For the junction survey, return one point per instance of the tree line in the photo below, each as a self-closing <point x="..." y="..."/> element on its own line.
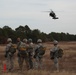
<point x="26" y="32"/>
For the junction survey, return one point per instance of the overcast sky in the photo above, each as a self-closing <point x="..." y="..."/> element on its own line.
<point x="31" y="12"/>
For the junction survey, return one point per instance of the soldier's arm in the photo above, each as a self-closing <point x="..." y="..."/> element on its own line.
<point x="7" y="48"/>
<point x="52" y="50"/>
<point x="18" y="45"/>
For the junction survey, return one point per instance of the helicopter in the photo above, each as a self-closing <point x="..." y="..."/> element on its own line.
<point x="53" y="15"/>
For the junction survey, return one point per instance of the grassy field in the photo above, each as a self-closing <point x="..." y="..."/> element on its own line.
<point x="67" y="64"/>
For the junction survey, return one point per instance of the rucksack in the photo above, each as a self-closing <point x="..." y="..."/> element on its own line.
<point x="13" y="48"/>
<point x="40" y="51"/>
<point x="58" y="53"/>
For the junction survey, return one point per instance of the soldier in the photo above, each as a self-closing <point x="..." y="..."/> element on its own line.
<point x="39" y="52"/>
<point x="9" y="55"/>
<point x="30" y="52"/>
<point x="18" y="48"/>
<point x="54" y="54"/>
<point x="25" y="54"/>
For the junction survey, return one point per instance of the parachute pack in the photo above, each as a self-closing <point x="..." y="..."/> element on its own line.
<point x="40" y="51"/>
<point x="13" y="48"/>
<point x="58" y="53"/>
<point x="23" y="50"/>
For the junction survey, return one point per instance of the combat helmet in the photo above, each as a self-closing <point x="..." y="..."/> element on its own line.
<point x="9" y="40"/>
<point x="30" y="40"/>
<point x="39" y="41"/>
<point x="25" y="40"/>
<point x="55" y="42"/>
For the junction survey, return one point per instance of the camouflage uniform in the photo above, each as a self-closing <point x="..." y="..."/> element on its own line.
<point x="18" y="48"/>
<point x="9" y="56"/>
<point x="38" y="58"/>
<point x="21" y="58"/>
<point x="55" y="51"/>
<point x="30" y="53"/>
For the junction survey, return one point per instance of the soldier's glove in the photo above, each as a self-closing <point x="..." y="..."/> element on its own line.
<point x="5" y="55"/>
<point x="34" y="56"/>
<point x="18" y="54"/>
<point x="10" y="54"/>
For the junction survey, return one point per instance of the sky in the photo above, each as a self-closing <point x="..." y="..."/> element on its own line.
<point x="14" y="13"/>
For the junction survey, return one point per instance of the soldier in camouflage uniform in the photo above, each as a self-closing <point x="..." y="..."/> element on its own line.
<point x="37" y="56"/>
<point x="18" y="48"/>
<point x="30" y="53"/>
<point x="9" y="55"/>
<point x="24" y="55"/>
<point x="55" y="54"/>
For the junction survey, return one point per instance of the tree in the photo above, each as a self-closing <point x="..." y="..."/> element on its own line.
<point x="35" y="35"/>
<point x="26" y="32"/>
<point x="43" y="36"/>
<point x="7" y="33"/>
<point x="20" y="29"/>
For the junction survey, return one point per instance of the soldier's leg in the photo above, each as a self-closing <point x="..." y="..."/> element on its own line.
<point x="19" y="59"/>
<point x="31" y="63"/>
<point x="8" y="62"/>
<point x="56" y="63"/>
<point x="11" y="63"/>
<point x="40" y="63"/>
<point x="27" y="63"/>
<point x="21" y="62"/>
<point x="37" y="63"/>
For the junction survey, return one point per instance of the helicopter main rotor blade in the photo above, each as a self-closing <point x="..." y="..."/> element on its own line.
<point x="45" y="11"/>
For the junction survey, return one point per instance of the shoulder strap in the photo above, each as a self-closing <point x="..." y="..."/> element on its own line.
<point x="18" y="45"/>
<point x="10" y="47"/>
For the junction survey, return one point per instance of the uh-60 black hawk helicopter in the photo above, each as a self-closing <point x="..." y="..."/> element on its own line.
<point x="52" y="14"/>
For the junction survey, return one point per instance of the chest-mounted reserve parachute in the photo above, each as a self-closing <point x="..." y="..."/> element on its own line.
<point x="23" y="50"/>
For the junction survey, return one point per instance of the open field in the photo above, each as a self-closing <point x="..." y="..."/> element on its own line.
<point x="67" y="64"/>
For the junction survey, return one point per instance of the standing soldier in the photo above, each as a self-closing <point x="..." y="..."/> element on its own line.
<point x="18" y="48"/>
<point x="24" y="54"/>
<point x="54" y="54"/>
<point x="30" y="53"/>
<point x="9" y="55"/>
<point x="39" y="51"/>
